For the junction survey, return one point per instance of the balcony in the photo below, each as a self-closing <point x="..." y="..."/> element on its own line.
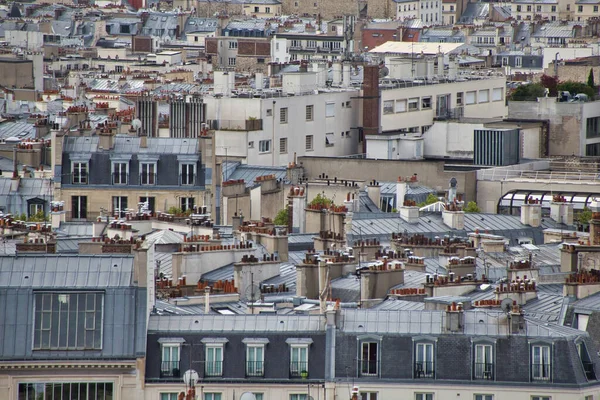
<point x="368" y="367"/>
<point x="424" y="369"/>
<point x="484" y="371"/>
<point x="299" y="369"/>
<point x="148" y="179"/>
<point x="187" y="180"/>
<point x="449" y="114"/>
<point x="255" y="368"/>
<point x="120" y="178"/>
<point x="169" y="369"/>
<point x="213" y="368"/>
<point x="590" y="372"/>
<point x="251" y="124"/>
<point x="540" y="372"/>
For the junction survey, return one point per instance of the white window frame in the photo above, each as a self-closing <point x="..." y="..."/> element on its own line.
<point x="168" y="348"/>
<point x="213" y="396"/>
<point x="329" y="139"/>
<point x="301" y="365"/>
<point x="257" y="369"/>
<point x="329" y="110"/>
<point x="368" y="396"/>
<point x="310" y="112"/>
<point x="538" y="371"/>
<point x="213" y="366"/>
<point x="424" y="396"/>
<point x="189" y="180"/>
<point x="77" y="169"/>
<point x="518" y="61"/>
<point x="368" y="360"/>
<point x="116" y="169"/>
<point x="413" y="101"/>
<point x="541" y="397"/>
<point x="483" y="397"/>
<point x="495" y="92"/>
<point x="264" y="146"/>
<point x="309" y="139"/>
<point x="35" y="208"/>
<point x="484" y="354"/>
<point x="231" y="61"/>
<point x="117" y="205"/>
<point x="470" y="97"/>
<point x="233" y="44"/>
<point x="484" y="96"/>
<point x="147" y="175"/>
<point x="422" y="355"/>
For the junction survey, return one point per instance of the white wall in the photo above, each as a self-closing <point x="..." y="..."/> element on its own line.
<point x="26" y="39"/>
<point x="450" y="138"/>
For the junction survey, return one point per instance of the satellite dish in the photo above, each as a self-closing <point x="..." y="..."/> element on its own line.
<point x="136" y="124"/>
<point x="190" y="377"/>
<point x="506" y="305"/>
<point x="248" y="396"/>
<point x="253" y="293"/>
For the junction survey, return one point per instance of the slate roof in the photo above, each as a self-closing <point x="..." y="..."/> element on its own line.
<point x="131" y="145"/>
<point x="164" y="236"/>
<point x="66" y="271"/>
<point x="195" y="25"/>
<point x="237" y="170"/>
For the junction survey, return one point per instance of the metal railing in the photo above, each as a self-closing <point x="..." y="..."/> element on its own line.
<point x="450" y="113"/>
<point x="148" y="179"/>
<point x="119" y="178"/>
<point x="169" y="369"/>
<point x="80" y="178"/>
<point x="213" y="368"/>
<point x="299" y="369"/>
<point x="368" y="367"/>
<point x="540" y="372"/>
<point x="484" y="371"/>
<point x="424" y="369"/>
<point x="187" y="180"/>
<point x="255" y="368"/>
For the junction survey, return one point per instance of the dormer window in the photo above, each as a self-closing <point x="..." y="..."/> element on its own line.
<point x="541" y="363"/>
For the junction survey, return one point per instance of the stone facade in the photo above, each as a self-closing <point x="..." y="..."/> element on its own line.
<point x="329" y="9"/>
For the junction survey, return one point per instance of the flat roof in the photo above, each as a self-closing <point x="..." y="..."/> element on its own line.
<point x="413" y="47"/>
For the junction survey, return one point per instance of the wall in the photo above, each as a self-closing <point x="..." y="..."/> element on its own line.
<point x="330" y="9"/>
<point x="194" y="265"/>
<point x="16" y="73"/>
<point x="452" y="138"/>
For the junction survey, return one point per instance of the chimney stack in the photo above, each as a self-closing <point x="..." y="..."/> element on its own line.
<point x="595" y="223"/>
<point x="561" y="211"/>
<point x="455" y="317"/>
<point x="207" y="300"/>
<point x="531" y="212"/>
<point x="374" y="192"/>
<point x="516" y="320"/>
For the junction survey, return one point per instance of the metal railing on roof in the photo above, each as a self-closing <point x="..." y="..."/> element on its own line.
<point x="539" y="173"/>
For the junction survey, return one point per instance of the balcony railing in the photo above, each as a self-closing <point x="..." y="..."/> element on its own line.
<point x="424" y="369"/>
<point x="255" y="124"/>
<point x="255" y="368"/>
<point x="213" y="368"/>
<point x="540" y="372"/>
<point x="187" y="180"/>
<point x="590" y="372"/>
<point x="299" y="369"/>
<point x="148" y="179"/>
<point x="80" y="178"/>
<point x="368" y="367"/>
<point x="484" y="371"/>
<point x="169" y="369"/>
<point x="119" y="178"/>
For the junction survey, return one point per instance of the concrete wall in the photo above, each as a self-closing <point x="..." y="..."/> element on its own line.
<point x="16" y="73"/>
<point x="453" y="139"/>
<point x="194" y="265"/>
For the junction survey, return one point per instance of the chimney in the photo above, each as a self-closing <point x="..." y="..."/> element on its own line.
<point x="346" y="75"/>
<point x="323" y="285"/>
<point x="453" y="217"/>
<point x="107" y="140"/>
<point x="430" y="68"/>
<point x="57" y="213"/>
<point x="298" y="209"/>
<point x="440" y="67"/>
<point x="143" y="140"/>
<point x="15" y="164"/>
<point x="516" y="320"/>
<point x="237" y="221"/>
<point x="207" y="300"/>
<point x="374" y="192"/>
<point x="371" y="101"/>
<point x="561" y="211"/>
<point x="531" y="213"/>
<point x="378" y="280"/>
<point x="337" y="74"/>
<point x="452" y="190"/>
<point x="455" y="317"/>
<point x="595" y="223"/>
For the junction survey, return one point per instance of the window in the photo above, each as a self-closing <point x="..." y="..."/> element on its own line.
<point x="309" y="142"/>
<point x="214" y="361"/>
<point x="579" y="8"/>
<point x="518" y="61"/>
<point x="484" y="362"/>
<point x="368" y="395"/>
<point x="348" y="104"/>
<point x="298" y="397"/>
<point x="541" y="398"/>
<point x="329" y="139"/>
<point x="119" y="204"/>
<point x="484" y="96"/>
<point x="79" y="207"/>
<point x="148" y="202"/>
<point x="368" y="361"/>
<point x="423" y="396"/>
<point x="519" y="8"/>
<point x="212" y="396"/>
<point x="595" y="9"/>
<point x="148" y="173"/>
<point x="400" y="106"/>
<point x="586" y="361"/>
<point x="258" y="396"/>
<point x="233" y="45"/>
<point x="119" y="173"/>
<point x="62" y="390"/>
<point x="459" y="98"/>
<point x="187" y="203"/>
<point x="497" y="94"/>
<point x="169" y="365"/>
<point x="426" y="103"/>
<point x="592" y="127"/>
<point x="68" y="321"/>
<point x="118" y="69"/>
<point x="251" y="144"/>
<point x="80" y="174"/>
<point x="330" y="110"/>
<point x="299" y="360"/>
<point x="538" y="8"/>
<point x="169" y="396"/>
<point x="283" y="146"/>
<point x="484" y="397"/>
<point x="255" y="360"/>
<point x="231" y="61"/>
<point x="540" y="363"/>
<point x="264" y="146"/>
<point x="35" y="208"/>
<point x="283" y="115"/>
<point x="309" y="113"/>
<point x="471" y="97"/>
<point x="188" y="172"/>
<point x="553" y="8"/>
<point x="311" y="44"/>
<point x="413" y="104"/>
<point x="267" y="9"/>
<point x="528" y="8"/>
<point x="388" y="107"/>
<point x="269" y="112"/>
<point x="424" y="360"/>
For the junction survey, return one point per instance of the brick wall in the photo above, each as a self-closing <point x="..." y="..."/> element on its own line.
<point x="578" y="73"/>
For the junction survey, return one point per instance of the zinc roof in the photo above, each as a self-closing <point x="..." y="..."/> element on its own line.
<point x="18" y="129"/>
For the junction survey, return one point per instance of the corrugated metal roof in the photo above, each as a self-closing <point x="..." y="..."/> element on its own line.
<point x="164" y="236"/>
<point x="219" y="274"/>
<point x="237" y="323"/>
<point x="66" y="271"/>
<point x="166" y="262"/>
<point x="76" y="229"/>
<point x="399" y="305"/>
<point x="590" y="303"/>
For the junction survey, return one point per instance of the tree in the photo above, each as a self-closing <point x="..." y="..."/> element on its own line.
<point x="529" y="92"/>
<point x="576" y="88"/>
<point x="584" y="216"/>
<point x="321" y="201"/>
<point x="550" y="83"/>
<point x="472" y="207"/>
<point x="38" y="217"/>
<point x="431" y="198"/>
<point x="590" y="81"/>
<point x="282" y="217"/>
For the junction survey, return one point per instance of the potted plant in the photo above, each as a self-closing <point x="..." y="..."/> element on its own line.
<point x="304" y="374"/>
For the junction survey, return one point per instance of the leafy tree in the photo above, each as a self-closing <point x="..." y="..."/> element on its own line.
<point x="550" y="83"/>
<point x="585" y="216"/>
<point x="529" y="92"/>
<point x="431" y="198"/>
<point x="38" y="217"/>
<point x="282" y="217"/>
<point x="175" y="210"/>
<point x="576" y="88"/>
<point x="590" y="81"/>
<point x="472" y="207"/>
<point x="321" y="200"/>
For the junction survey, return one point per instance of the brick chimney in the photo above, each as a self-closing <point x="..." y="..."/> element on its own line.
<point x="453" y="216"/>
<point x="531" y="213"/>
<point x="378" y="279"/>
<point x="409" y="212"/>
<point x="455" y="317"/>
<point x="561" y="211"/>
<point x="371" y="101"/>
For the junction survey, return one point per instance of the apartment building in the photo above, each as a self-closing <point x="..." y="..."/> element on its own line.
<point x="315" y="47"/>
<point x="262" y="8"/>
<point x="586" y="9"/>
<point x="299" y="117"/>
<point x="407" y="9"/>
<point x="239" y="53"/>
<point x="532" y="9"/>
<point x="72" y="327"/>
